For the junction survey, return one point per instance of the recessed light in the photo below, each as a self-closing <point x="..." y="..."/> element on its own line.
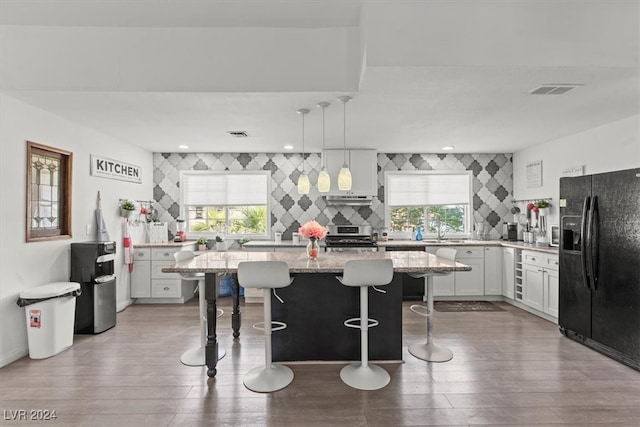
<point x="448" y="148"/>
<point x="183" y="147"/>
<point x="288" y="147"/>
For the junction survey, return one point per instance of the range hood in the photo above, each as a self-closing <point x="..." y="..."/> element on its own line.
<point x="348" y="200"/>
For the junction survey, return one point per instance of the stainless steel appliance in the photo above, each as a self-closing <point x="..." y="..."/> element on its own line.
<point x="599" y="300"/>
<point x="92" y="265"/>
<point x="349" y="238"/>
<point x="555" y="236"/>
<point x="512" y="231"/>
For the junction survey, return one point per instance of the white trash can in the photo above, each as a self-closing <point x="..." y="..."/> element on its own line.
<point x="50" y="313"/>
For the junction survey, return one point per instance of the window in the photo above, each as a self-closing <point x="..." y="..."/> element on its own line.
<point x="228" y="203"/>
<point x="48" y="193"/>
<point x="439" y="202"/>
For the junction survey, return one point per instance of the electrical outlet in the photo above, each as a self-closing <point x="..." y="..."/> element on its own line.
<point x="89" y="230"/>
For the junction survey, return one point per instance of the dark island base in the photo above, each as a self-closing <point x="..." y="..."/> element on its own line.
<point x="315" y="308"/>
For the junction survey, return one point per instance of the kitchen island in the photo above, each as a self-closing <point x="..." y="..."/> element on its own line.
<point x="314" y="277"/>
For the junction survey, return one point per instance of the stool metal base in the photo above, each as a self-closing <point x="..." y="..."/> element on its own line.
<point x="195" y="356"/>
<point x="265" y="380"/>
<point x="430" y="352"/>
<point x="370" y="377"/>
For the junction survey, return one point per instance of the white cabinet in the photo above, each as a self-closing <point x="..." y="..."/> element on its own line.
<point x="508" y="272"/>
<point x="532" y="294"/>
<point x="141" y="274"/>
<point x="492" y="270"/>
<point x="363" y="164"/>
<point x="443" y="286"/>
<point x="150" y="285"/>
<point x="540" y="281"/>
<point x="469" y="283"/>
<point x="462" y="283"/>
<point x="551" y="288"/>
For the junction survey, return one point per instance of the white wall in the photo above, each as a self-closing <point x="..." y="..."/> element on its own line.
<point x="25" y="265"/>
<point x="615" y="146"/>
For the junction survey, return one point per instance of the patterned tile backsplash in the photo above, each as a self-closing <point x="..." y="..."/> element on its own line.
<point x="492" y="185"/>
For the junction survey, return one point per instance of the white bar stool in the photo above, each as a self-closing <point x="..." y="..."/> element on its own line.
<point x="196" y="355"/>
<point x="429" y="351"/>
<point x="268" y="276"/>
<point x="365" y="274"/>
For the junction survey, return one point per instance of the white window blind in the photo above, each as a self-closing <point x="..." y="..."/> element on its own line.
<point x="426" y="189"/>
<point x="224" y="189"/>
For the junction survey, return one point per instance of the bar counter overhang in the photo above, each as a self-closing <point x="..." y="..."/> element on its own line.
<point x="316" y="304"/>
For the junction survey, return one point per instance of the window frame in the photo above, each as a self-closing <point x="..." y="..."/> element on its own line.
<point x="184" y="211"/>
<point x="66" y="171"/>
<point x="407" y="234"/>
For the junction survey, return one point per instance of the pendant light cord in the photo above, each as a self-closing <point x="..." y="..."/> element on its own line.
<point x="344" y="132"/>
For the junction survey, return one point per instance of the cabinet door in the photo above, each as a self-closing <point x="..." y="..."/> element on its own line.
<point x="533" y="294"/>
<point x="508" y="272"/>
<point x="364" y="171"/>
<point x="470" y="282"/>
<point x="551" y="292"/>
<point x="444" y="285"/>
<point x="492" y="270"/>
<point x="363" y="167"/>
<point x="141" y="279"/>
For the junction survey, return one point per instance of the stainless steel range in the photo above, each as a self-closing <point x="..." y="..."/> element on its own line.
<point x="349" y="238"/>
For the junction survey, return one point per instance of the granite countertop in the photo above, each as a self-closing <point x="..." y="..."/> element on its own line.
<point x="327" y="262"/>
<point x="165" y="244"/>
<point x="468" y="242"/>
<point x="283" y="244"/>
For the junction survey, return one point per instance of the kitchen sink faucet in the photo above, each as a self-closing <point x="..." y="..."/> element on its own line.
<point x="438" y="226"/>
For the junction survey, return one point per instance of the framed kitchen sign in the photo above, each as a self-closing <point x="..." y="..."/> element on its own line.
<point x="48" y="193"/>
<point x="115" y="169"/>
<point x="534" y="174"/>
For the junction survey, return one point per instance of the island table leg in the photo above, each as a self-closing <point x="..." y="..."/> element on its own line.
<point x="211" y="348"/>
<point x="236" y="319"/>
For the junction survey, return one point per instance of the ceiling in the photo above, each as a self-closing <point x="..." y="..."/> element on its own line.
<point x="422" y="74"/>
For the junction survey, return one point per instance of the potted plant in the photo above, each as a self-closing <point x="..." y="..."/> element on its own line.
<point x="221" y="245"/>
<point x="126" y="208"/>
<point x="202" y="244"/>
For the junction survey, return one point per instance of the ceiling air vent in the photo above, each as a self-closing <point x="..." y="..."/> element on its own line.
<point x="238" y="133"/>
<point x="554" y="89"/>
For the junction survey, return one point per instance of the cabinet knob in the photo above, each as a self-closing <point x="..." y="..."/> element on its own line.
<point x="469" y="252"/>
<point x="166" y="288"/>
<point x="533" y="259"/>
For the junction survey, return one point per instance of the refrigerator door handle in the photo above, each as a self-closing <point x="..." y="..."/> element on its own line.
<point x="584" y="244"/>
<point x="593" y="242"/>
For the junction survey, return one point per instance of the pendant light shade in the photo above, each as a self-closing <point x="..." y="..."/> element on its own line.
<point x="344" y="177"/>
<point x="324" y="179"/>
<point x="303" y="180"/>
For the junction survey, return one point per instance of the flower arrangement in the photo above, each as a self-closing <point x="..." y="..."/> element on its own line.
<point x="312" y="230"/>
<point x="539" y="204"/>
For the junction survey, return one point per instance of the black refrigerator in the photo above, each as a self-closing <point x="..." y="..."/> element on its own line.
<point x="599" y="302"/>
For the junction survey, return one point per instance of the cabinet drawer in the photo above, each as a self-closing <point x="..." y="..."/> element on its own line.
<point x="538" y="259"/>
<point x="469" y="252"/>
<point x="163" y="254"/>
<point x="551" y="262"/>
<point x="140" y="254"/>
<point x="166" y="289"/>
<point x="156" y="270"/>
<point x="534" y="258"/>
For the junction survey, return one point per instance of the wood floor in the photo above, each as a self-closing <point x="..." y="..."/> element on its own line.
<point x="509" y="368"/>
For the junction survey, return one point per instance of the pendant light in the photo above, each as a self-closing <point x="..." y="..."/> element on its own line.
<point x="344" y="177"/>
<point x="324" y="179"/>
<point x="303" y="180"/>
